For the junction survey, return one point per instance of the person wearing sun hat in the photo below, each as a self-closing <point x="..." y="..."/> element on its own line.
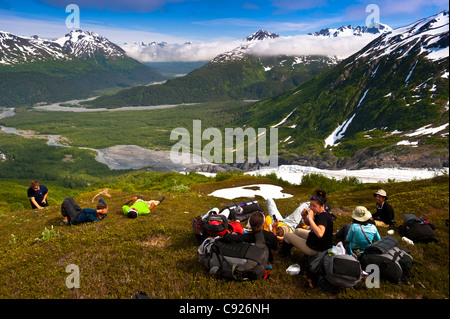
<point x="384" y="216"/>
<point x="361" y="233"/>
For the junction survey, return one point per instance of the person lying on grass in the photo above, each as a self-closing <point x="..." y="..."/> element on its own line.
<point x="139" y="206"/>
<point x="74" y="215"/>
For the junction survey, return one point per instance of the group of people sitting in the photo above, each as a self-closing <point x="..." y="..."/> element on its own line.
<point x="74" y="215"/>
<point x="310" y="227"/>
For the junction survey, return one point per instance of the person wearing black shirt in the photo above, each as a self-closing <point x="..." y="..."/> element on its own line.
<point x="256" y="222"/>
<point x="319" y="235"/>
<point x="37" y="195"/>
<point x="384" y="216"/>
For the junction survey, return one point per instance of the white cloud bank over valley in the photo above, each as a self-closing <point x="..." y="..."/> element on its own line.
<point x="341" y="47"/>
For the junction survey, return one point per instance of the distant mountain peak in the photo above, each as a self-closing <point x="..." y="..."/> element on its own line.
<point x="352" y="31"/>
<point x="426" y="36"/>
<point x="18" y="49"/>
<point x="88" y="44"/>
<point x="261" y="35"/>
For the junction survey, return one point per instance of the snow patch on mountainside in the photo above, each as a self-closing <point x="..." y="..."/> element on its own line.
<point x="430" y="33"/>
<point x="338" y="133"/>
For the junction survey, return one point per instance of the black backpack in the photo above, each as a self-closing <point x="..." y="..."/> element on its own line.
<point x="242" y="210"/>
<point x="418" y="230"/>
<point x="239" y="261"/>
<point x="394" y="261"/>
<point x="215" y="225"/>
<point x="335" y="271"/>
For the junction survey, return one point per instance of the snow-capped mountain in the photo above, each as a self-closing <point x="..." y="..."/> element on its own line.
<point x="429" y="35"/>
<point x="384" y="106"/>
<point x="150" y="44"/>
<point x="16" y="49"/>
<point x="251" y="42"/>
<point x="352" y="31"/>
<point x="85" y="44"/>
<point x="82" y="44"/>
<point x="241" y="52"/>
<point x="72" y="67"/>
<point x="261" y="35"/>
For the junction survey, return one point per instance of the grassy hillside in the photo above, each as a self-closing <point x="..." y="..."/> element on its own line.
<point x="237" y="80"/>
<point x="371" y="93"/>
<point x="62" y="80"/>
<point x="118" y="257"/>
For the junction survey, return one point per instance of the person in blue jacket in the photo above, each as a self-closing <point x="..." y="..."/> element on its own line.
<point x="361" y="233"/>
<point x="74" y="215"/>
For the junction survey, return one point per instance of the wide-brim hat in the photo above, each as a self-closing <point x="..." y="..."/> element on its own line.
<point x="380" y="192"/>
<point x="361" y="214"/>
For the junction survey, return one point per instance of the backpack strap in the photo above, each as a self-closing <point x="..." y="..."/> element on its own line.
<point x="365" y="234"/>
<point x="259" y="239"/>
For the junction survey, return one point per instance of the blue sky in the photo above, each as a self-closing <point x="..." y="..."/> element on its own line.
<point x="201" y="20"/>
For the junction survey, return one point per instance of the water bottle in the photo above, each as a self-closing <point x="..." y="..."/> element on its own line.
<point x="409" y="241"/>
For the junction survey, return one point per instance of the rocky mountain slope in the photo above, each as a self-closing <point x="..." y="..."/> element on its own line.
<point x="385" y="106"/>
<point x="39" y="70"/>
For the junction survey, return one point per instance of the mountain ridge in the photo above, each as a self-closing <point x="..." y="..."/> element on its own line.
<point x="82" y="61"/>
<point x="364" y="113"/>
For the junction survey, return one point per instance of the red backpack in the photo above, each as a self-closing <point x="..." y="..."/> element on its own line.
<point x="215" y="225"/>
<point x="235" y="227"/>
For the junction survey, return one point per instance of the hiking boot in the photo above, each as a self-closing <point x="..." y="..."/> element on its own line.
<point x="326" y="286"/>
<point x="285" y="250"/>
<point x="160" y="199"/>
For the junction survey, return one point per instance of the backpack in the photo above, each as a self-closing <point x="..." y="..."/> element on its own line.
<point x="215" y="225"/>
<point x="242" y="210"/>
<point x="235" y="227"/>
<point x="393" y="260"/>
<point x="417" y="229"/>
<point x="238" y="261"/>
<point x="335" y="271"/>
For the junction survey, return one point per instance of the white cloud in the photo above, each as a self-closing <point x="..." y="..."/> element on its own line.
<point x="196" y="51"/>
<point x="176" y="50"/>
<point x="342" y="47"/>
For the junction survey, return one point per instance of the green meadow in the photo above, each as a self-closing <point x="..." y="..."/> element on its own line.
<point x="157" y="253"/>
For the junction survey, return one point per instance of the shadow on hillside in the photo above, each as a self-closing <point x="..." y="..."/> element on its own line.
<point x="54" y="221"/>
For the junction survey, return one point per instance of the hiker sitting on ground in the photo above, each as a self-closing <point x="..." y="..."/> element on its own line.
<point x="139" y="206"/>
<point x="361" y="233"/>
<point x="384" y="216"/>
<point x="256" y="223"/>
<point x="37" y="195"/>
<point x="74" y="215"/>
<point x="280" y="226"/>
<point x="320" y="233"/>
